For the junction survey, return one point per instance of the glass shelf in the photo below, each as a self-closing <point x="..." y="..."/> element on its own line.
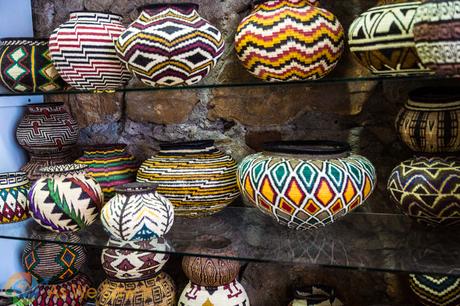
<point x="254" y="83"/>
<point x="364" y="241"/>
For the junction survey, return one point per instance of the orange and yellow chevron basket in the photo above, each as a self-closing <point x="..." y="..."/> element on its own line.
<point x="288" y="40"/>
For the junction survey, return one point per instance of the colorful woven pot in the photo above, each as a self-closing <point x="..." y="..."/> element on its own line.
<point x="432" y="290"/>
<point x="170" y="45"/>
<point x="437" y="36"/>
<point x="429" y="122"/>
<point x="382" y="40"/>
<point x="159" y="291"/>
<point x="70" y="293"/>
<point x="230" y="294"/>
<point x="195" y="176"/>
<point x="427" y="189"/>
<point x="83" y="51"/>
<point x="47" y="128"/>
<point x="49" y="133"/>
<point x="317" y="295"/>
<point x="14" y="187"/>
<point x="25" y="66"/>
<point x="211" y="272"/>
<point x="137" y="212"/>
<point x="306" y="184"/>
<point x="110" y="165"/>
<point x="121" y="263"/>
<point x="286" y="40"/>
<point x="52" y="263"/>
<point x="65" y="198"/>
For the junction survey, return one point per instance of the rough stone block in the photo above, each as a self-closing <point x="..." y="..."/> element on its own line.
<point x="91" y="109"/>
<point x="161" y="107"/>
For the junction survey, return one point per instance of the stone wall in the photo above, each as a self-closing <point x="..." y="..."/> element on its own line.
<point x="241" y="118"/>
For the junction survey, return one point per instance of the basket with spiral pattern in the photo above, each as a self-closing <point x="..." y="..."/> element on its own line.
<point x="83" y="51"/>
<point x="65" y="199"/>
<point x="195" y="176"/>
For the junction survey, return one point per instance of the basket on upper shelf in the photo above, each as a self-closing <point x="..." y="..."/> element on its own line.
<point x="287" y="40"/>
<point x="437" y="36"/>
<point x="83" y="51"/>
<point x="382" y="40"/>
<point x="25" y="66"/>
<point x="170" y="44"/>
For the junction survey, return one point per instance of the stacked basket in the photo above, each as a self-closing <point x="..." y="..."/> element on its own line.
<point x="136" y="218"/>
<point x="426" y="186"/>
<point x="56" y="266"/>
<point x="213" y="281"/>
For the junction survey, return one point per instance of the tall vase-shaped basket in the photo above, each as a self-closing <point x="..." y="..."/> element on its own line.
<point x="212" y="281"/>
<point x="49" y="133"/>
